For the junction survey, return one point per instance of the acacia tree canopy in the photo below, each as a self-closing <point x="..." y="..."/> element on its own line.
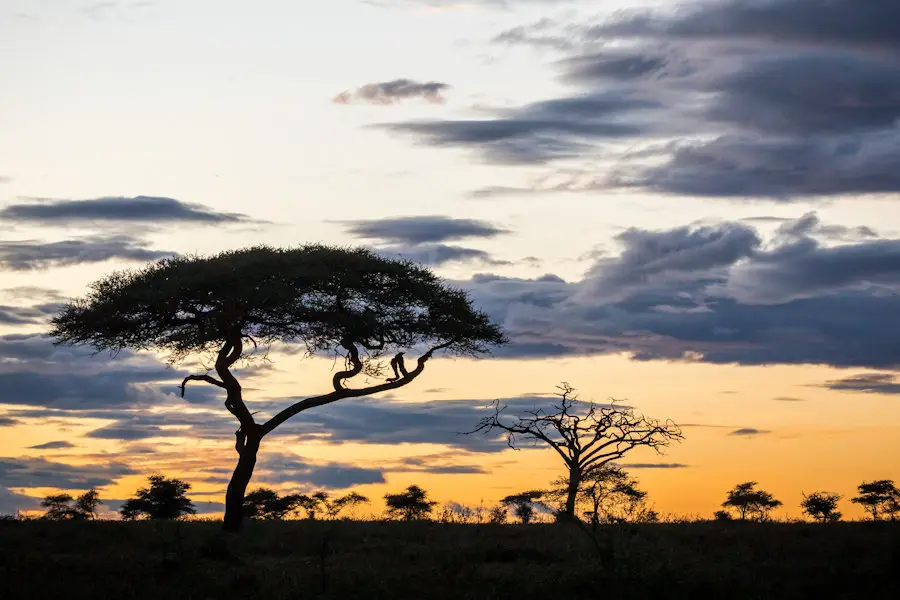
<point x="329" y="299"/>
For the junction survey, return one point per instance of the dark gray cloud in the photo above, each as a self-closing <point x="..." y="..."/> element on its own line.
<point x="9" y="422"/>
<point x="11" y="501"/>
<point x="287" y="468"/>
<point x="34" y="372"/>
<point x="391" y="92"/>
<point x="789" y="399"/>
<point x="28" y="255"/>
<point x="425" y="465"/>
<point x="440" y="254"/>
<point x="749" y="432"/>
<point x="781" y="168"/>
<point x="60" y="445"/>
<point x="776" y="99"/>
<point x="27" y="315"/>
<point x="39" y="472"/>
<point x="117" y="209"/>
<point x="423" y="229"/>
<point x="872" y="383"/>
<point x="874" y="24"/>
<point x="715" y="294"/>
<point x="541" y="132"/>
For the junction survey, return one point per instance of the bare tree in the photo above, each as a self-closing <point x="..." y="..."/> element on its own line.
<point x="584" y="435"/>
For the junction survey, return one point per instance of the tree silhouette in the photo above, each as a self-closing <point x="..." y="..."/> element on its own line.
<point x="523" y="505"/>
<point x="585" y="435"/>
<point x="63" y="507"/>
<point x="410" y="504"/>
<point x="333" y="507"/>
<point x="497" y="515"/>
<point x="267" y="504"/>
<point x="879" y="498"/>
<point x="347" y="301"/>
<point x="821" y="506"/>
<point x="610" y="495"/>
<point x="751" y="503"/>
<point x="164" y="499"/>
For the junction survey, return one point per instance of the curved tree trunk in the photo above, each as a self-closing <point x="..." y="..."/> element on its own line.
<point x="237" y="487"/>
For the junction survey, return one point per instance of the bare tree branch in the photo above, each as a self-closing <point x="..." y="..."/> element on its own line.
<point x="206" y="378"/>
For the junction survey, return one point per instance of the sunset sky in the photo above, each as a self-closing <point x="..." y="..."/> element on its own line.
<point x="690" y="207"/>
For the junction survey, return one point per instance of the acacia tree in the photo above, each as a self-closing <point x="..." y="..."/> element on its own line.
<point x="164" y="499"/>
<point x="331" y="300"/>
<point x="63" y="507"/>
<point x="523" y="504"/>
<point x="584" y="435"/>
<point x="610" y="495"/>
<point x="821" y="506"/>
<point x="267" y="504"/>
<point x="879" y="498"/>
<point x="409" y="505"/>
<point x="750" y="502"/>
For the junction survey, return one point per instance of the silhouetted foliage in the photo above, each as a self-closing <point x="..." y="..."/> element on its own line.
<point x="332" y="300"/>
<point x="410" y="504"/>
<point x="750" y="503"/>
<point x="497" y="515"/>
<point x="722" y="515"/>
<point x="331" y="508"/>
<point x="63" y="507"/>
<point x="267" y="504"/>
<point x="585" y="435"/>
<point x="608" y="495"/>
<point x="164" y="499"/>
<point x="821" y="506"/>
<point x="879" y="498"/>
<point x="523" y="505"/>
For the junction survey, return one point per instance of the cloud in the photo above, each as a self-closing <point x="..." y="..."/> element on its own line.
<point x="872" y="383"/>
<point x="440" y="254"/>
<point x="116" y="209"/>
<point x="27" y="315"/>
<point x="422" y="229"/>
<point x="60" y="445"/>
<point x="42" y="473"/>
<point x="288" y="468"/>
<point x="10" y="501"/>
<point x="712" y="293"/>
<point x="869" y="25"/>
<point x="749" y="432"/>
<point x="779" y="99"/>
<point x="391" y="92"/>
<point x="424" y="465"/>
<point x="9" y="422"/>
<point x="789" y="399"/>
<point x="540" y="132"/>
<point x="32" y="255"/>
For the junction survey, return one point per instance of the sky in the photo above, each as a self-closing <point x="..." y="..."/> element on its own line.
<point x="687" y="207"/>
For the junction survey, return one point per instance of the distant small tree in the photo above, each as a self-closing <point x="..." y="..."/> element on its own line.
<point x="312" y="504"/>
<point x="164" y="499"/>
<point x="267" y="504"/>
<point x="59" y="507"/>
<point x="585" y="435"/>
<point x="497" y="515"/>
<point x="410" y="504"/>
<point x="523" y="505"/>
<point x="879" y="498"/>
<point x="722" y="515"/>
<point x="333" y="507"/>
<point x="63" y="507"/>
<point x="88" y="503"/>
<point x="750" y="503"/>
<point x="821" y="506"/>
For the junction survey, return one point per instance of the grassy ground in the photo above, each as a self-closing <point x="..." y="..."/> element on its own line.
<point x="302" y="559"/>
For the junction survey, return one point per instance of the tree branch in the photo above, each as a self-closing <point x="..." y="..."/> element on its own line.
<point x="206" y="378"/>
<point x="340" y="394"/>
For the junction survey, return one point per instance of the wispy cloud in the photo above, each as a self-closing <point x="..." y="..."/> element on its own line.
<point x="391" y="92"/>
